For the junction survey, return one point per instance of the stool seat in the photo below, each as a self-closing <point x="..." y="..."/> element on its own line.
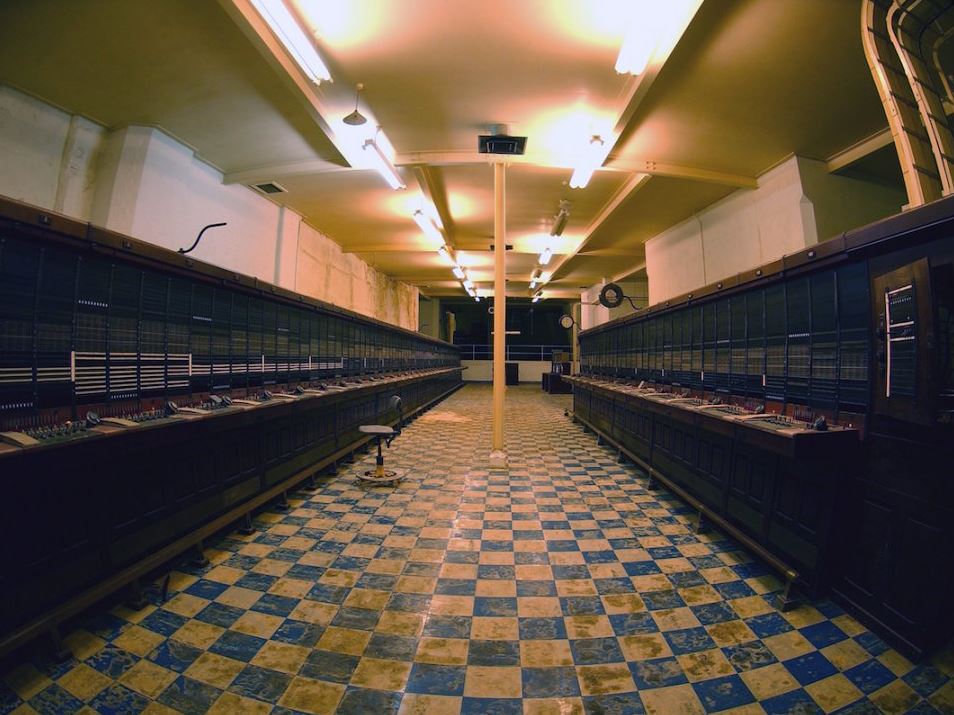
<point x="376" y="429"/>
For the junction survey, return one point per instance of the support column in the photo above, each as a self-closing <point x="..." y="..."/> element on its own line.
<point x="498" y="457"/>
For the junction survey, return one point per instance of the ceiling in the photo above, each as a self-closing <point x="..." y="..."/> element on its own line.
<point x="733" y="88"/>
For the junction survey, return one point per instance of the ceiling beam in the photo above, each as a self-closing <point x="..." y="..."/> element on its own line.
<point x="384" y="248"/>
<point x="628" y="272"/>
<point x="674" y="171"/>
<point x="256" y="29"/>
<point x="635" y="251"/>
<point x="634" y="184"/>
<point x="856" y="152"/>
<point x="269" y="172"/>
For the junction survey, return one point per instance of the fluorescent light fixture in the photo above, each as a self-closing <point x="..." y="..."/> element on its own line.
<point x="590" y="159"/>
<point x="290" y="33"/>
<point x="427" y="225"/>
<point x="537" y="297"/>
<point x="476" y="297"/>
<point x="380" y="163"/>
<point x="533" y="284"/>
<point x="640" y="41"/>
<point x="458" y="273"/>
<point x="442" y="252"/>
<point x="559" y="221"/>
<point x="546" y="256"/>
<point x="468" y="284"/>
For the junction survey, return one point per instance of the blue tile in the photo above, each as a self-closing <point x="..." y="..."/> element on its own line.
<point x="614" y="704"/>
<point x="260" y="683"/>
<point x="491" y="706"/>
<point x="189" y="696"/>
<point x="600" y="557"/>
<point x="542" y="629"/>
<point x="810" y="667"/>
<point x="483" y="652"/>
<point x="241" y="562"/>
<point x="563" y="545"/>
<point x="496" y="572"/>
<point x="866" y="707"/>
<point x="496" y="546"/>
<point x="164" y="622"/>
<point x="723" y="693"/>
<point x="795" y="702"/>
<point x="768" y="624"/>
<point x="536" y="588"/>
<point x="734" y="589"/>
<point x="436" y="679"/>
<point x="664" y="552"/>
<point x="686" y="579"/>
<point x="823" y="634"/>
<point x="659" y="600"/>
<point x="362" y="619"/>
<point x="582" y="606"/>
<point x="112" y="661"/>
<point x="218" y="614"/>
<point x="689" y="640"/>
<point x="326" y="593"/>
<point x="871" y="643"/>
<point x="328" y="666"/>
<point x="494" y="606"/>
<point x="203" y="588"/>
<point x="625" y="624"/>
<point x="286" y="555"/>
<point x="462" y="557"/>
<point x="447" y="626"/>
<point x="591" y="651"/>
<point x="237" y="645"/>
<point x="275" y="605"/>
<point x="377" y="581"/>
<point x="409" y="602"/>
<point x="361" y="701"/>
<point x="563" y="572"/>
<point x="456" y="587"/>
<point x="105" y="625"/>
<point x="298" y="633"/>
<point x="531" y="558"/>
<point x="746" y="656"/>
<point x="925" y="679"/>
<point x="657" y="673"/>
<point x="869" y="676"/>
<point x="54" y="700"/>
<point x="605" y="586"/>
<point x="118" y="700"/>
<point x="718" y="612"/>
<point x="256" y="581"/>
<point x="550" y="683"/>
<point x="420" y="568"/>
<point x="392" y="647"/>
<point x="174" y="655"/>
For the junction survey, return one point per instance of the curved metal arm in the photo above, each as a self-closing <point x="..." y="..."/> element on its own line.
<point x="199" y="237"/>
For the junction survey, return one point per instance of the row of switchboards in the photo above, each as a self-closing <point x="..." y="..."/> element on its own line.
<point x="847" y="347"/>
<point x="147" y="400"/>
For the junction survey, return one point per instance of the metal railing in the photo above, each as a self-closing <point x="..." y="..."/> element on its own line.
<point x="513" y="352"/>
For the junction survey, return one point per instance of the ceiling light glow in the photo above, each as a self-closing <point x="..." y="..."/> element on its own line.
<point x="427" y="225"/>
<point x="640" y="40"/>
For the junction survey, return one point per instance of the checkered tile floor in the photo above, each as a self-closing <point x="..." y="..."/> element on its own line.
<point x="558" y="586"/>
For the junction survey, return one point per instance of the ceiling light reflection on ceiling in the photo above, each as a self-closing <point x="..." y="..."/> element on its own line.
<point x="591" y="157"/>
<point x="298" y="44"/>
<point x="380" y="163"/>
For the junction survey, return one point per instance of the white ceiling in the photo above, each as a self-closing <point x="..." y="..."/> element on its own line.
<point x="734" y="87"/>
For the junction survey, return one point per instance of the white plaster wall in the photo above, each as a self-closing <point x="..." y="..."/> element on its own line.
<point x="482" y="370"/>
<point x="139" y="181"/>
<point x="795" y="205"/>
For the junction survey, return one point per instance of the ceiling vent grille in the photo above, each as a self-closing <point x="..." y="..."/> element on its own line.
<point x="269" y="187"/>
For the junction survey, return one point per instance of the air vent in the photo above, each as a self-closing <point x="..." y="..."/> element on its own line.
<point x="269" y="187"/>
<point x="501" y="144"/>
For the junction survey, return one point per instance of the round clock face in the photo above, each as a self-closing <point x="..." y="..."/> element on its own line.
<point x="566" y="322"/>
<point x="611" y="295"/>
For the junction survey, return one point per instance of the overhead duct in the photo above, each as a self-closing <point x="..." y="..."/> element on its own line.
<point x="894" y="33"/>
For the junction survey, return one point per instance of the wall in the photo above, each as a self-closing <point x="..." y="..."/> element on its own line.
<point x="795" y="205"/>
<point x="139" y="181"/>
<point x="482" y="370"/>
